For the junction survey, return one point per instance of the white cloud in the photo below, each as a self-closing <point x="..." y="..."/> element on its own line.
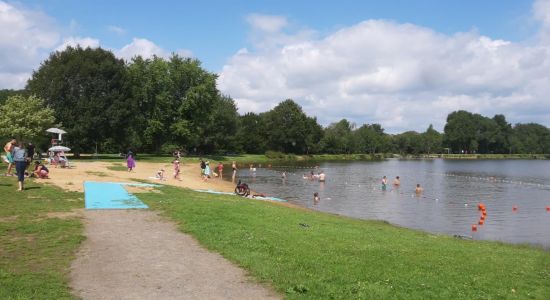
<point x="142" y="47"/>
<point x="78" y="41"/>
<point x="25" y="37"/>
<point x="116" y="29"/>
<point x="267" y="23"/>
<point x="399" y="75"/>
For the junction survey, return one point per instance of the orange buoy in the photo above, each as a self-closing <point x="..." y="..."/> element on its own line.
<point x="481" y="206"/>
<point x="474" y="227"/>
<point x="484" y="213"/>
<point x="548" y="208"/>
<point x="481" y="221"/>
<point x="514" y="208"/>
<point x="482" y="217"/>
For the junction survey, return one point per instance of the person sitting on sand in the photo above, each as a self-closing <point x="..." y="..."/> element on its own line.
<point x="160" y="174"/>
<point x="418" y="189"/>
<point x="40" y="171"/>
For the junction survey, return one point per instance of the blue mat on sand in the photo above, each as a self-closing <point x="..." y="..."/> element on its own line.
<point x="111" y="195"/>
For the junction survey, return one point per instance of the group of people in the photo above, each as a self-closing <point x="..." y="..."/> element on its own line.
<point x="21" y="156"/>
<point x="312" y="176"/>
<point x="397" y="183"/>
<point x="207" y="173"/>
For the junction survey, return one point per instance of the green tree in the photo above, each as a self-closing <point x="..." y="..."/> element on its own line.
<point x="289" y="128"/>
<point x="532" y="138"/>
<point x="25" y="118"/>
<point x="5" y="94"/>
<point x="251" y="135"/>
<point x="501" y="142"/>
<point x="431" y="140"/>
<point x="338" y="137"/>
<point x="85" y="88"/>
<point x="372" y="138"/>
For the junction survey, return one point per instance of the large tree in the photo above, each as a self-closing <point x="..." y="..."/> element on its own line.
<point x="25" y="118"/>
<point x="290" y="129"/>
<point x="85" y="87"/>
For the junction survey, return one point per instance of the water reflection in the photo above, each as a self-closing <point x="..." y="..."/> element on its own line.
<point x="446" y="204"/>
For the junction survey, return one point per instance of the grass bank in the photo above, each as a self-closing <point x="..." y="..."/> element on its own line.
<point x="310" y="255"/>
<point x="37" y="240"/>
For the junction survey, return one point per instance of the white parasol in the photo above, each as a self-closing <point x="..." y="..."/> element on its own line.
<point x="59" y="132"/>
<point x="59" y="149"/>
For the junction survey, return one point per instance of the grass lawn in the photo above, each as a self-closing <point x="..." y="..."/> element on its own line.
<point x="36" y="250"/>
<point x="305" y="254"/>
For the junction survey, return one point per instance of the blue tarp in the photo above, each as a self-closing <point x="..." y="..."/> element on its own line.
<point x="111" y="195"/>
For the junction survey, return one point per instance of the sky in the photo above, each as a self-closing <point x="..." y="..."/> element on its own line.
<point x="403" y="64"/>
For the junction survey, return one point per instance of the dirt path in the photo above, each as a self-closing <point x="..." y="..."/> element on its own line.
<point x="136" y="254"/>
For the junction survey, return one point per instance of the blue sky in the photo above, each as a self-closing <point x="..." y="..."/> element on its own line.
<point x="402" y="64"/>
<point x="215" y="30"/>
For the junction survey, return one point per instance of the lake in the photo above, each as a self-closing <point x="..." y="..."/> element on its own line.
<point x="452" y="190"/>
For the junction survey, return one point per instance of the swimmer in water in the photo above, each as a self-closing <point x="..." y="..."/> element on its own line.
<point x="418" y="189"/>
<point x="316" y="198"/>
<point x="396" y="182"/>
<point x="283" y="175"/>
<point x="384" y="182"/>
<point x="322" y="177"/>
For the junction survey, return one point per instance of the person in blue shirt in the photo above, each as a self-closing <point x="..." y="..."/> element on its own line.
<point x="19" y="157"/>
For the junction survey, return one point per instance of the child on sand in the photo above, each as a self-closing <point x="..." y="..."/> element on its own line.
<point x="40" y="171"/>
<point x="130" y="162"/>
<point x="176" y="169"/>
<point x="220" y="170"/>
<point x="160" y="174"/>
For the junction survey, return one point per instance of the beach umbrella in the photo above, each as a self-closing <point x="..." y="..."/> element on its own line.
<point x="59" y="149"/>
<point x="59" y="132"/>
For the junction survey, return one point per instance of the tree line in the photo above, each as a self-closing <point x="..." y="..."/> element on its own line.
<point x="158" y="105"/>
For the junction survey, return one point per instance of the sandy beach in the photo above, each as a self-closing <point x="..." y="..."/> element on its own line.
<point x="73" y="178"/>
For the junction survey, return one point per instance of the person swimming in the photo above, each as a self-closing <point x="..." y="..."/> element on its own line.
<point x="316" y="198"/>
<point x="418" y="189"/>
<point x="396" y="182"/>
<point x="322" y="177"/>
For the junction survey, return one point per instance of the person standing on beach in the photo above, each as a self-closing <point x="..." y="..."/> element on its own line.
<point x="203" y="167"/>
<point x="130" y="162"/>
<point x="220" y="170"/>
<point x="234" y="167"/>
<point x="30" y="154"/>
<point x="384" y="182"/>
<point x="176" y="169"/>
<point x="19" y="157"/>
<point x="8" y="148"/>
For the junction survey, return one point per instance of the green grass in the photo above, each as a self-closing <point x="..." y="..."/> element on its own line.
<point x="36" y="251"/>
<point x="332" y="257"/>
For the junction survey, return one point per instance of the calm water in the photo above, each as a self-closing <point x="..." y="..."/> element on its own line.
<point x="452" y="190"/>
